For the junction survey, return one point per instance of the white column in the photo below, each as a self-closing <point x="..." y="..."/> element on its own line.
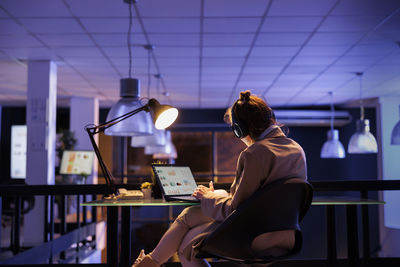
<point x="84" y="111"/>
<point x="41" y="124"/>
<point x="389" y="169"/>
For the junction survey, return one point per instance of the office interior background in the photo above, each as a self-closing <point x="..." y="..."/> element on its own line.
<point x="62" y="61"/>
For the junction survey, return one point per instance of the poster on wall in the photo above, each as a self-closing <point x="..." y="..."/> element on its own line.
<point x="18" y="151"/>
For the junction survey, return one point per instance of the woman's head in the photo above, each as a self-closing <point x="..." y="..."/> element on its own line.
<point x="250" y="115"/>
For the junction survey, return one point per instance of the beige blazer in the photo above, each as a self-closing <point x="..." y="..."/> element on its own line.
<point x="269" y="159"/>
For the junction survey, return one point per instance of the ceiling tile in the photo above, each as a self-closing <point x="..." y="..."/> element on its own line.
<point x="20" y="40"/>
<point x="312" y="61"/>
<point x="221" y="70"/>
<point x="8" y="26"/>
<point x="222" y="62"/>
<point x="226" y="8"/>
<point x="335" y="38"/>
<point x="349" y="23"/>
<point x="301" y="8"/>
<point x="177" y="51"/>
<point x="50" y="25"/>
<point x="174" y="39"/>
<point x="274" y="51"/>
<point x="37" y="8"/>
<point x="119" y="39"/>
<point x="365" y="7"/>
<point x="290" y="24"/>
<point x="178" y="61"/>
<point x="287" y="39"/>
<point x="262" y="70"/>
<point x="91" y="8"/>
<point x="123" y="52"/>
<point x="78" y="51"/>
<point x="268" y="61"/>
<point x="173" y="25"/>
<point x="372" y="50"/>
<point x="3" y="14"/>
<point x="231" y="25"/>
<point x="222" y="39"/>
<point x="323" y="51"/>
<point x="171" y="8"/>
<point x="56" y="40"/>
<point x="30" y="53"/>
<point x="227" y="51"/>
<point x="110" y="25"/>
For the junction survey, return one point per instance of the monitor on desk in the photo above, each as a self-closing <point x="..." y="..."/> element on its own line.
<point x="77" y="162"/>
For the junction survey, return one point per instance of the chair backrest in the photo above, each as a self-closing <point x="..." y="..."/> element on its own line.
<point x="280" y="205"/>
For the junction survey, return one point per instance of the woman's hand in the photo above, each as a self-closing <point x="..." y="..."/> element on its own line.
<point x="201" y="190"/>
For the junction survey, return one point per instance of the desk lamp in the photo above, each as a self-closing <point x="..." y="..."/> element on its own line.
<point x="163" y="116"/>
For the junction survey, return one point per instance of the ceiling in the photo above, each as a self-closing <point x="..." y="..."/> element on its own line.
<point x="292" y="52"/>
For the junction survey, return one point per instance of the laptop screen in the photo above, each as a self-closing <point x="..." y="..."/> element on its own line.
<point x="175" y="180"/>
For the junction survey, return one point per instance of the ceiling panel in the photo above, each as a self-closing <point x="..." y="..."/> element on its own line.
<point x="56" y="40"/>
<point x="37" y="8"/>
<point x="172" y="25"/>
<point x="349" y="23"/>
<point x="119" y="39"/>
<point x="365" y="7"/>
<point x="20" y="40"/>
<point x="171" y="8"/>
<point x="226" y="8"/>
<point x="50" y="25"/>
<point x="290" y="24"/>
<point x="225" y="54"/>
<point x="231" y="25"/>
<point x="172" y="39"/>
<point x="301" y="8"/>
<point x="9" y="26"/>
<point x="223" y="39"/>
<point x="287" y="39"/>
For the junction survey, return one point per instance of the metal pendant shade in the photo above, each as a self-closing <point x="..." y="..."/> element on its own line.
<point x="395" y="140"/>
<point x="156" y="139"/>
<point x="168" y="151"/>
<point x="332" y="148"/>
<point x="362" y="141"/>
<point x="141" y="123"/>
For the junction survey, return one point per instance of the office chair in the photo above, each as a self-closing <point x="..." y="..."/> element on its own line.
<point x="280" y="205"/>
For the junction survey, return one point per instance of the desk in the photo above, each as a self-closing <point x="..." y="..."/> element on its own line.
<point x="351" y="204"/>
<point x="330" y="202"/>
<point x="126" y="218"/>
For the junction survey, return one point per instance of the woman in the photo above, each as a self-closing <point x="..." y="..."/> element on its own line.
<point x="269" y="156"/>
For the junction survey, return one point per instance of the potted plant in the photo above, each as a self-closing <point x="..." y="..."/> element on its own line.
<point x="146" y="189"/>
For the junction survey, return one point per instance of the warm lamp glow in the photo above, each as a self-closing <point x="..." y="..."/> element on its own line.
<point x="166" y="118"/>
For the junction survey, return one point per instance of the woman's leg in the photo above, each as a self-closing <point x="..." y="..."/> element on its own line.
<point x="193" y="262"/>
<point x="172" y="239"/>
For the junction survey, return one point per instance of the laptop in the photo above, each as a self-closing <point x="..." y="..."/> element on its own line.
<point x="176" y="182"/>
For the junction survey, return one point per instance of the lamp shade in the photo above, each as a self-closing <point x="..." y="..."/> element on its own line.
<point x="362" y="141"/>
<point x="163" y="152"/>
<point x="156" y="139"/>
<point x="395" y="140"/>
<point x="163" y="115"/>
<point x="141" y="123"/>
<point x="333" y="148"/>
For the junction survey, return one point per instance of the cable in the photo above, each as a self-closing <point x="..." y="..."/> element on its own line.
<point x="129" y="39"/>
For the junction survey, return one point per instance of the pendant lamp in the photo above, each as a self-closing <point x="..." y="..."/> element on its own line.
<point x="130" y="100"/>
<point x="163" y="152"/>
<point x="158" y="136"/>
<point x="332" y="148"/>
<point x="362" y="141"/>
<point x="395" y="140"/>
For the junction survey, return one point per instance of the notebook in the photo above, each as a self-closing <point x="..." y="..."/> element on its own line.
<point x="176" y="182"/>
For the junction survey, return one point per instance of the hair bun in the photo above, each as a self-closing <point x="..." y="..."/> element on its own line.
<point x="245" y="96"/>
